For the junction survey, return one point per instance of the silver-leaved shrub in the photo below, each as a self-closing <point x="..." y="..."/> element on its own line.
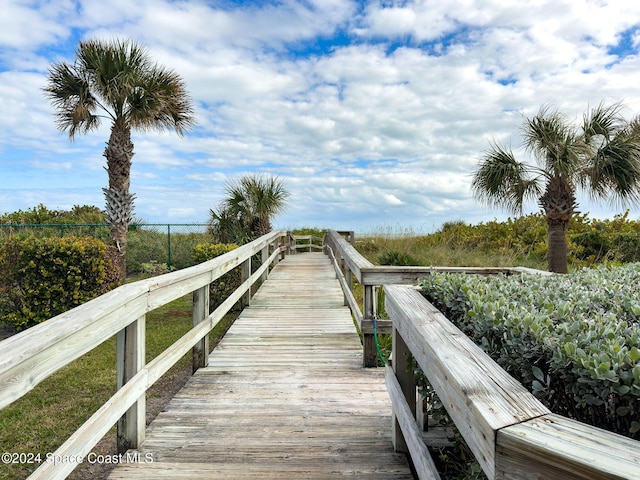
<point x="574" y="340"/>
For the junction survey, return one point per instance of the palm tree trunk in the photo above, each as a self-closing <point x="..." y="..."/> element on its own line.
<point x="557" y="255"/>
<point x="559" y="205"/>
<point x="119" y="152"/>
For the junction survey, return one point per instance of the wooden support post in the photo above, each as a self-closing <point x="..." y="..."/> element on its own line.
<point x="200" y="312"/>
<point x="407" y="380"/>
<point x="369" y="355"/>
<point x="284" y="252"/>
<point x="291" y="244"/>
<point x="264" y="257"/>
<point x="348" y="276"/>
<point x="244" y="276"/>
<point x="130" y="358"/>
<point x="276" y="246"/>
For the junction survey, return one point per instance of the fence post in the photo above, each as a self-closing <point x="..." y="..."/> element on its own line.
<point x="168" y="247"/>
<point x="200" y="312"/>
<point x="369" y="354"/>
<point x="130" y="358"/>
<point x="400" y="355"/>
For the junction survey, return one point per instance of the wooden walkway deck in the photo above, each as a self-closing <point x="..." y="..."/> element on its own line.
<point x="284" y="395"/>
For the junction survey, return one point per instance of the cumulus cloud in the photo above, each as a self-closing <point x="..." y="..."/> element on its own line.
<point x="374" y="113"/>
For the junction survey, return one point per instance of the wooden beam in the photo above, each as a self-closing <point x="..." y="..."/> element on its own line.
<point x="406" y="382"/>
<point x="200" y="351"/>
<point x="404" y="419"/>
<point x="351" y="256"/>
<point x="130" y="359"/>
<point x="410" y="275"/>
<point x="553" y="447"/>
<point x="370" y="353"/>
<point x="480" y="397"/>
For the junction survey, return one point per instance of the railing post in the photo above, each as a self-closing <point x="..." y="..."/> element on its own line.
<point x="200" y="312"/>
<point x="291" y="244"/>
<point x="287" y="250"/>
<point x="244" y="276"/>
<point x="369" y="354"/>
<point x="400" y="355"/>
<point x="276" y="246"/>
<point x="130" y="358"/>
<point x="264" y="256"/>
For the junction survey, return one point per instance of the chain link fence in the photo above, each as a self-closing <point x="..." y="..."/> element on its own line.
<point x="152" y="248"/>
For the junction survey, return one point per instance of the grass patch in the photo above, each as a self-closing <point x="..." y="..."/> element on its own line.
<point x="44" y="418"/>
<point x="421" y="250"/>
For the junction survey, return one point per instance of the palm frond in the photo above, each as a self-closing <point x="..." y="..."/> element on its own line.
<point x="70" y="94"/>
<point x="504" y="182"/>
<point x="129" y="86"/>
<point x="614" y="171"/>
<point x="160" y="101"/>
<point x="554" y="143"/>
<point x="603" y="121"/>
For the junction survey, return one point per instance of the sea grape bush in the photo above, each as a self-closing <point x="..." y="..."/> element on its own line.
<point x="574" y="340"/>
<point x="43" y="277"/>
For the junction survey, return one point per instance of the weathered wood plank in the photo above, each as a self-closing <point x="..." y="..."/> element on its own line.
<point x="343" y="249"/>
<point x="423" y="463"/>
<point x="284" y="394"/>
<point x="557" y="447"/>
<point x="480" y="397"/>
<point x="409" y="275"/>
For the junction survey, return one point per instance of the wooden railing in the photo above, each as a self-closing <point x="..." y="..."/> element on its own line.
<point x="350" y="264"/>
<point x="31" y="356"/>
<point x="305" y="243"/>
<point x="511" y="434"/>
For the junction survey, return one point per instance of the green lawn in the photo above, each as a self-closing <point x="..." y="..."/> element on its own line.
<point x="43" y="419"/>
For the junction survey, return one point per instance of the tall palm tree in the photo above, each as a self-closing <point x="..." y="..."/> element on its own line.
<point x="247" y="210"/>
<point x="601" y="157"/>
<point x="117" y="81"/>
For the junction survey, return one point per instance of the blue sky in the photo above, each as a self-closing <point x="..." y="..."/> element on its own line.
<point x="375" y="113"/>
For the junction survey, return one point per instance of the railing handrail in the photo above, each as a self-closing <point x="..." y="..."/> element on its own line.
<point x="511" y="434"/>
<point x="19" y="350"/>
<point x="31" y="356"/>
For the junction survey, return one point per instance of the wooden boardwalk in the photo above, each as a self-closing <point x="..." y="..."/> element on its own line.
<point x="284" y="395"/>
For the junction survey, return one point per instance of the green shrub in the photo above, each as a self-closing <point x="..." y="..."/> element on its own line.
<point x="42" y="215"/>
<point x="574" y="340"/>
<point x="227" y="283"/>
<point x="208" y="251"/>
<point x="393" y="257"/>
<point x="143" y="246"/>
<point x="153" y="268"/>
<point x="43" y="277"/>
<point x="616" y="240"/>
<point x="316" y="232"/>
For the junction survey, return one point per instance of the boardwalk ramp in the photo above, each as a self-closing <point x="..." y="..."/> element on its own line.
<point x="284" y="395"/>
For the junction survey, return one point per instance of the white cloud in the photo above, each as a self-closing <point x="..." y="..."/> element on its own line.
<point x="383" y="126"/>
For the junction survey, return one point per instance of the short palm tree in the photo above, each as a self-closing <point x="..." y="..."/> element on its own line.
<point x="247" y="210"/>
<point x="117" y="81"/>
<point x="601" y="157"/>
